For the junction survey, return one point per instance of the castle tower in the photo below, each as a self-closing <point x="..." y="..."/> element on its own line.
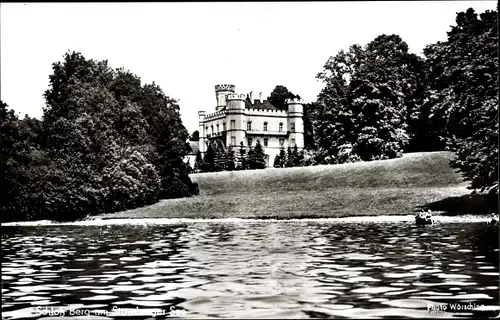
<point x="221" y="91"/>
<point x="235" y="111"/>
<point x="295" y="122"/>
<point x="202" y="142"/>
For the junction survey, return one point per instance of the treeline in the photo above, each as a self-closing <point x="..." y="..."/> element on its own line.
<point x="380" y="101"/>
<point x="105" y="143"/>
<point x="219" y="158"/>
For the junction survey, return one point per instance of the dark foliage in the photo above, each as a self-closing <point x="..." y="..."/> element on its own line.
<point x="105" y="143"/>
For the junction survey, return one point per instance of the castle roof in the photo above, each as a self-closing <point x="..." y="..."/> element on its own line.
<point x="266" y="105"/>
<point x="195" y="147"/>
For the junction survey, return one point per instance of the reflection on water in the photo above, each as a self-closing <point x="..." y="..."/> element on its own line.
<point x="250" y="269"/>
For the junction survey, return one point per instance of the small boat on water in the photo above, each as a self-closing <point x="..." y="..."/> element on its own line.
<point x="424" y="218"/>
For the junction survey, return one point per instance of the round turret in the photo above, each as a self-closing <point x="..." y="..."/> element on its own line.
<point x="221" y="91"/>
<point x="235" y="102"/>
<point x="295" y="107"/>
<point x="295" y="122"/>
<point x="224" y="87"/>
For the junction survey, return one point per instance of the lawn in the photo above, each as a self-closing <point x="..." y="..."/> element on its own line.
<point x="387" y="187"/>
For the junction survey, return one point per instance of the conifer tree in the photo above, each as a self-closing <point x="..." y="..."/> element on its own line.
<point x="209" y="159"/>
<point x="230" y="159"/>
<point x="257" y="157"/>
<point x="280" y="160"/>
<point x="220" y="157"/>
<point x="250" y="158"/>
<point x="289" y="158"/>
<point x="242" y="159"/>
<point x="198" y="163"/>
<point x="298" y="157"/>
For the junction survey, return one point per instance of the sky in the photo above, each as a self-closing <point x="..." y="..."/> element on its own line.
<point x="188" y="48"/>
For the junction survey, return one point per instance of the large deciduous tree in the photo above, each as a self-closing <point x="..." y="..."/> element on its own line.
<point x="369" y="92"/>
<point x="462" y="95"/>
<point x="105" y="143"/>
<point x="195" y="136"/>
<point x="279" y="95"/>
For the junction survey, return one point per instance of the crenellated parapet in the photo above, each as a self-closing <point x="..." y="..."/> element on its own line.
<point x="264" y="112"/>
<point x="225" y="87"/>
<point x="294" y="101"/>
<point x="215" y="115"/>
<point x="236" y="96"/>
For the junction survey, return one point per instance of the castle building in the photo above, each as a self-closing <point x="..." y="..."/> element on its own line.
<point x="248" y="119"/>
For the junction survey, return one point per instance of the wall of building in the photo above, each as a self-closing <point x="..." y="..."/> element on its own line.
<point x="273" y="120"/>
<point x="213" y="123"/>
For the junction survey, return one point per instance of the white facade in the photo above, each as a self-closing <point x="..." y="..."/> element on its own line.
<point x="239" y="118"/>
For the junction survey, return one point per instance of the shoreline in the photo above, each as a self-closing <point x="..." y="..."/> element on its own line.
<point x="168" y="221"/>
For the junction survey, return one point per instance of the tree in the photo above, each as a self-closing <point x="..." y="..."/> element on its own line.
<point x="220" y="158"/>
<point x="463" y="94"/>
<point x="290" y="160"/>
<point x="106" y="142"/>
<point x="195" y="136"/>
<point x="256" y="157"/>
<point x="209" y="159"/>
<point x="298" y="157"/>
<point x="131" y="181"/>
<point x="310" y="117"/>
<point x="364" y="102"/>
<point x="168" y="134"/>
<point x="279" y="95"/>
<point x="14" y="155"/>
<point x="280" y="159"/>
<point x="242" y="158"/>
<point x="230" y="159"/>
<point x="198" y="164"/>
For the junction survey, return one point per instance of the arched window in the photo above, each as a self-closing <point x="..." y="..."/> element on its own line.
<point x="280" y="129"/>
<point x="265" y="126"/>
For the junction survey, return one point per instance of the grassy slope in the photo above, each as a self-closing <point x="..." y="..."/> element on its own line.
<point x="385" y="187"/>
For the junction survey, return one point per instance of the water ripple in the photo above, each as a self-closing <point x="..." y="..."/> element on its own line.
<point x="292" y="269"/>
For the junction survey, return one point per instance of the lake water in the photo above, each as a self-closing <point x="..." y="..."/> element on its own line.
<point x="274" y="269"/>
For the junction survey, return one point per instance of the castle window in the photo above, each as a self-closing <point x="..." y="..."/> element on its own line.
<point x="233" y="124"/>
<point x="217" y="128"/>
<point x="206" y="129"/>
<point x="293" y="142"/>
<point x="249" y="126"/>
<point x="265" y="141"/>
<point x="223" y="126"/>
<point x="212" y="129"/>
<point x="265" y="126"/>
<point x="282" y="142"/>
<point x="280" y="129"/>
<point x="292" y="127"/>
<point x="233" y="140"/>
<point x="249" y="142"/>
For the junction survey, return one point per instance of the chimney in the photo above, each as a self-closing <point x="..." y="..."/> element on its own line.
<point x="260" y="97"/>
<point x="251" y="96"/>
